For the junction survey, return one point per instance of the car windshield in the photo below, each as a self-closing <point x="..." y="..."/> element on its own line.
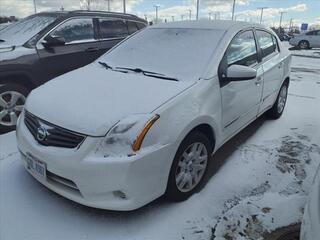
<point x="180" y="53"/>
<point x="22" y="31"/>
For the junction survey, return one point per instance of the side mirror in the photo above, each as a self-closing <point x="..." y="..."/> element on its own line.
<point x="240" y="73"/>
<point x="53" y="41"/>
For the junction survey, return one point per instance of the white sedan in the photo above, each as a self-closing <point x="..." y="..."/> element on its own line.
<point x="145" y="118"/>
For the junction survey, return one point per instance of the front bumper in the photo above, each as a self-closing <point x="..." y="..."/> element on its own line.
<point x="123" y="183"/>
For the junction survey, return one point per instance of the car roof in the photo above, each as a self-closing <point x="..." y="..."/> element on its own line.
<point x="92" y="13"/>
<point x="209" y="24"/>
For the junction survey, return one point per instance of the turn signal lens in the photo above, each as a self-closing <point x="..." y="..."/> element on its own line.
<point x="138" y="142"/>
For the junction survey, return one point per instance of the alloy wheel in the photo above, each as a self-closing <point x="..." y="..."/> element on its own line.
<point x="191" y="167"/>
<point x="303" y="45"/>
<point x="11" y="105"/>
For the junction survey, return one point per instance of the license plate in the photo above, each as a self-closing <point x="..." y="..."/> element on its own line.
<point x="35" y="166"/>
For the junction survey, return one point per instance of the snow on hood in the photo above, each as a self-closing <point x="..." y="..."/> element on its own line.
<point x="91" y="100"/>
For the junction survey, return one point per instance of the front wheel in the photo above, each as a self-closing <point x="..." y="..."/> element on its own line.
<point x="277" y="109"/>
<point x="12" y="100"/>
<point x="189" y="166"/>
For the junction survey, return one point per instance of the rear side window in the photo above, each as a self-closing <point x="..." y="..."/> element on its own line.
<point x="75" y="30"/>
<point x="141" y="25"/>
<point x="275" y="43"/>
<point x="112" y="28"/>
<point x="242" y="50"/>
<point x="267" y="43"/>
<point x="132" y="27"/>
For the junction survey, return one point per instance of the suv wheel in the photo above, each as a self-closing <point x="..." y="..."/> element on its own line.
<point x="189" y="166"/>
<point x="304" y="44"/>
<point x="12" y="100"/>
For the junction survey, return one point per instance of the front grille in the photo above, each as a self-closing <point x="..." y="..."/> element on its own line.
<point x="48" y="134"/>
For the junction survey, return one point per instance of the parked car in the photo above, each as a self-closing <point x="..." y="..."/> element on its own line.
<point x="306" y="40"/>
<point x="144" y="119"/>
<point x="45" y="45"/>
<point x="310" y="228"/>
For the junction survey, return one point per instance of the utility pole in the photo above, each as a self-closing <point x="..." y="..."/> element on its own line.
<point x="157" y="9"/>
<point x="215" y="16"/>
<point x="233" y="8"/>
<point x="146" y="17"/>
<point x="62" y="8"/>
<point x="262" y="8"/>
<point x="190" y="14"/>
<point x="210" y="15"/>
<point x="124" y="6"/>
<point x="108" y="5"/>
<point x="182" y="17"/>
<point x="290" y="25"/>
<point x="35" y="6"/>
<point x="172" y="17"/>
<point x="198" y="3"/>
<point x="281" y="15"/>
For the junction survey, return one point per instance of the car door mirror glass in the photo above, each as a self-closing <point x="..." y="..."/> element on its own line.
<point x="240" y="73"/>
<point x="53" y="41"/>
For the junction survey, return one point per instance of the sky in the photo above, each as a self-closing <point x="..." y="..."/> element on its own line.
<point x="300" y="11"/>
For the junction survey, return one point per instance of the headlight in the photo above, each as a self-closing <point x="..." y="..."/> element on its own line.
<point x="127" y="136"/>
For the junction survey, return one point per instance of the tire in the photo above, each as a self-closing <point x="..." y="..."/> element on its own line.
<point x="278" y="107"/>
<point x="183" y="168"/>
<point x="304" y="44"/>
<point x="10" y="112"/>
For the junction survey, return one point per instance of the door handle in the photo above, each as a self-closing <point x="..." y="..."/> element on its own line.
<point x="92" y="49"/>
<point x="280" y="65"/>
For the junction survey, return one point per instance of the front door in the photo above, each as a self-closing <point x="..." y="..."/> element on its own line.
<point x="241" y="99"/>
<point x="81" y="48"/>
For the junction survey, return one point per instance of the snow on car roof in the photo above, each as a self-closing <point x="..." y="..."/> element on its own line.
<point x="207" y="24"/>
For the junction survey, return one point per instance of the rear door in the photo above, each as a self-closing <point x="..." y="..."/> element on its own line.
<point x="111" y="32"/>
<point x="241" y="99"/>
<point x="273" y="67"/>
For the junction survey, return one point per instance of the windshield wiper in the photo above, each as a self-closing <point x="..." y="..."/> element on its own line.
<point x="105" y="65"/>
<point x="148" y="73"/>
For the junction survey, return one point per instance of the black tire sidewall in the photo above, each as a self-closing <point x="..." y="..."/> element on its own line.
<point x="12" y="87"/>
<point x="172" y="192"/>
<point x="304" y="41"/>
<point x="273" y="112"/>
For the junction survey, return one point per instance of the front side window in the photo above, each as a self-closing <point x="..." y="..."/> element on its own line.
<point x="267" y="43"/>
<point x="242" y="50"/>
<point x="112" y="28"/>
<point x="75" y="30"/>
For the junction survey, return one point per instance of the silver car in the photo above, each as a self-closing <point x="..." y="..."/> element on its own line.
<point x="306" y="40"/>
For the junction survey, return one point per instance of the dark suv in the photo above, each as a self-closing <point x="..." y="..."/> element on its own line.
<point x="45" y="45"/>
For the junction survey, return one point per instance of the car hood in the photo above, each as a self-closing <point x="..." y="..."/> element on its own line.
<point x="91" y="100"/>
